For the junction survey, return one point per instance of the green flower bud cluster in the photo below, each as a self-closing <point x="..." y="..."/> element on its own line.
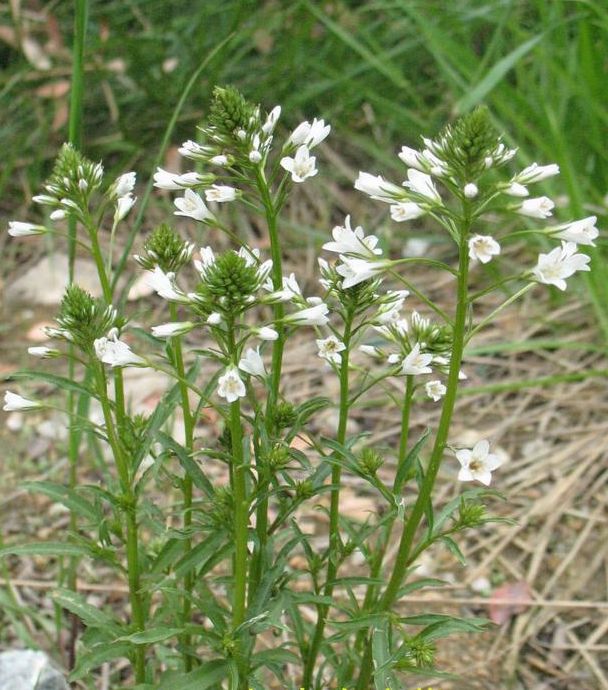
<point x="304" y="490"/>
<point x="434" y="338"/>
<point x="166" y="249"/>
<point x="278" y="458"/>
<point x="230" y="111"/>
<point x="72" y="181"/>
<point x="419" y="653"/>
<point x="229" y="284"/>
<point x="133" y="433"/>
<point x="83" y="319"/>
<point x="284" y="416"/>
<point x="221" y="512"/>
<point x="466" y="145"/>
<point x="470" y="514"/>
<point x="369" y="462"/>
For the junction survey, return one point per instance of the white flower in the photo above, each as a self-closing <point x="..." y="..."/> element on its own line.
<point x="44" y="199"/>
<point x="191" y="149"/>
<point x="190" y="179"/>
<point x="124" y="185"/>
<point x="289" y="290"/>
<point x="378" y="188"/>
<point x="517" y="189"/>
<point x="207" y="260"/>
<point x="252" y="363"/>
<point x="43" y="352"/>
<point x="271" y="120"/>
<point x="540" y="207"/>
<point x="19" y="229"/>
<point x="483" y="248"/>
<point x="406" y="210"/>
<point x="16" y="403"/>
<point x="330" y="348"/>
<point x="310" y="135"/>
<point x="560" y="263"/>
<point x="470" y="190"/>
<point x="169" y="330"/>
<point x="301" y="166"/>
<point x="255" y="156"/>
<point x="266" y="333"/>
<point x="422" y="184"/>
<point x="349" y="241"/>
<point x="214" y="318"/>
<point x="579" y="231"/>
<point x="435" y="390"/>
<point x="230" y="385"/>
<point x="412" y="158"/>
<point x="311" y="316"/>
<point x="299" y="134"/>
<point x="536" y="173"/>
<point x="478" y="463"/>
<point x="220" y="193"/>
<point x="123" y="205"/>
<point x="164" y="285"/>
<point x="355" y="271"/>
<point x="370" y="350"/>
<point x="221" y="160"/>
<point x="116" y="353"/>
<point x="57" y="214"/>
<point x="416" y="362"/>
<point x="163" y="179"/>
<point x="389" y="311"/>
<point x="192" y="205"/>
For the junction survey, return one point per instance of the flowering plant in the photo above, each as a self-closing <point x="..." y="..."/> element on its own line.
<point x="214" y="597"/>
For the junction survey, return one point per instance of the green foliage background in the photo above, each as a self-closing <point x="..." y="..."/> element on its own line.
<point x="382" y="72"/>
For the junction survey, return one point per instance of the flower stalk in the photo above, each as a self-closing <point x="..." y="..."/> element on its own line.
<point x="333" y="552"/>
<point x="187" y="486"/>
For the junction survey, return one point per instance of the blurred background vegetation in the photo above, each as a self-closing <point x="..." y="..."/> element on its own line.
<point x="382" y="72"/>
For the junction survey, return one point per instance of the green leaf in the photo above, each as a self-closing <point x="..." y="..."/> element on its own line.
<point x="190" y="466"/>
<point x="201" y="554"/>
<point x="91" y="616"/>
<point x="406" y="470"/>
<point x="59" y="381"/>
<point x="271" y="657"/>
<point x="151" y="636"/>
<point x="209" y="674"/>
<point x="483" y="87"/>
<point x="457" y="624"/>
<point x="454" y="549"/>
<point x="420" y="584"/>
<point x="68" y="497"/>
<point x="45" y="548"/>
<point x="453" y="626"/>
<point x="384" y="679"/>
<point x="97" y="656"/>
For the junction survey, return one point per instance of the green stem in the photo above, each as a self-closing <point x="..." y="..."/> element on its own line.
<point x="75" y="138"/>
<point x="424" y="495"/>
<point x="130" y="511"/>
<point x="278" y="347"/>
<point x="186" y="488"/>
<point x="388" y="529"/>
<point x="334" y="510"/>
<point x="241" y="516"/>
<point x="405" y="424"/>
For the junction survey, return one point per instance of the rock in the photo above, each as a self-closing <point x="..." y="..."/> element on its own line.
<point x="46" y="281"/>
<point x="29" y="670"/>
